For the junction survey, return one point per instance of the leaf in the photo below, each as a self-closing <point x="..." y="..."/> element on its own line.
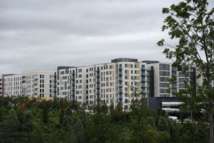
<point x="161" y="42"/>
<point x="165" y="10"/>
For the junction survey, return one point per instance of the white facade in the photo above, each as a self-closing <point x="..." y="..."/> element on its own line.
<point x="38" y="84"/>
<point x="106" y="83"/>
<point x="32" y="84"/>
<point x="128" y="81"/>
<point x="110" y="83"/>
<point x="66" y="82"/>
<point x="162" y="76"/>
<point x="13" y="85"/>
<point x="118" y="82"/>
<point x="168" y="80"/>
<point x="1" y="85"/>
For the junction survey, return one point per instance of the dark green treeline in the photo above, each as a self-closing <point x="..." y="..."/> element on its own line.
<point x="25" y="120"/>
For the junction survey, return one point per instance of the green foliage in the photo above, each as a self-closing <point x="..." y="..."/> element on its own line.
<point x="191" y="24"/>
<point x="59" y="121"/>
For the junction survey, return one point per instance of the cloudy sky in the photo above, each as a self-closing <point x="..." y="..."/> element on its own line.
<point x="41" y="34"/>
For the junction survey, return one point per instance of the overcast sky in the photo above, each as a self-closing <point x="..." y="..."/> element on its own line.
<point x="42" y="34"/>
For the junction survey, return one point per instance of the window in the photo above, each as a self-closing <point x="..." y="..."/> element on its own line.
<point x="164" y="66"/>
<point x="79" y="97"/>
<point x="164" y="73"/>
<point x="41" y="85"/>
<point x="164" y="85"/>
<point x="164" y="79"/>
<point x="164" y="90"/>
<point x="79" y="70"/>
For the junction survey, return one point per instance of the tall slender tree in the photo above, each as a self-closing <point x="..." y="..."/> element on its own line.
<point x="191" y="24"/>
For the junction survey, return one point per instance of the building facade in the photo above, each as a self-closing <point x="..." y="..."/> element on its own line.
<point x="66" y="82"/>
<point x="32" y="84"/>
<point x="1" y="85"/>
<point x="13" y="85"/>
<point x="118" y="82"/>
<point x="167" y="80"/>
<point x="39" y="84"/>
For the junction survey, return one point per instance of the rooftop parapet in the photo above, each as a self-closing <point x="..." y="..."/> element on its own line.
<point x="123" y="60"/>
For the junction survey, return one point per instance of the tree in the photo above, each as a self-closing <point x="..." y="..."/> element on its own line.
<point x="191" y="24"/>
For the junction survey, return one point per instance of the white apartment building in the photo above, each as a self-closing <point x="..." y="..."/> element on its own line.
<point x="32" y="84"/>
<point x="106" y="83"/>
<point x="128" y="81"/>
<point x="95" y="83"/>
<point x="167" y="80"/>
<point x="120" y="81"/>
<point x="146" y="79"/>
<point x="39" y="84"/>
<point x="80" y="85"/>
<point x="13" y="85"/>
<point x="1" y="85"/>
<point x="66" y="82"/>
<point x="86" y="84"/>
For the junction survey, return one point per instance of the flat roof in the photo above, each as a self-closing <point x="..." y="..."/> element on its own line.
<point x="123" y="60"/>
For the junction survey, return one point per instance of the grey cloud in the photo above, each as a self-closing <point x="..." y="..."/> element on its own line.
<point x="41" y="34"/>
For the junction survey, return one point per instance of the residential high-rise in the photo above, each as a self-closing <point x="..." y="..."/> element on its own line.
<point x="38" y="84"/>
<point x="120" y="81"/>
<point x="13" y="85"/>
<point x="32" y="84"/>
<point x="128" y="81"/>
<point x="167" y="80"/>
<point x="1" y="85"/>
<point x="106" y="83"/>
<point x="66" y="82"/>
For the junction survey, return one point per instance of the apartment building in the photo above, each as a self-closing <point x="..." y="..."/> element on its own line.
<point x="87" y="85"/>
<point x="167" y="80"/>
<point x="86" y="81"/>
<point x="66" y="82"/>
<point x="119" y="81"/>
<point x="1" y="85"/>
<point x="146" y="79"/>
<point x="128" y="81"/>
<point x="13" y="85"/>
<point x="32" y="84"/>
<point x="106" y="83"/>
<point x="39" y="84"/>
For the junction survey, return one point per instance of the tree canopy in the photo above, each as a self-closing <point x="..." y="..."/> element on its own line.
<point x="191" y="24"/>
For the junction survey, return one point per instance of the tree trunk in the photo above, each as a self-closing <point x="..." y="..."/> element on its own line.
<point x="211" y="127"/>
